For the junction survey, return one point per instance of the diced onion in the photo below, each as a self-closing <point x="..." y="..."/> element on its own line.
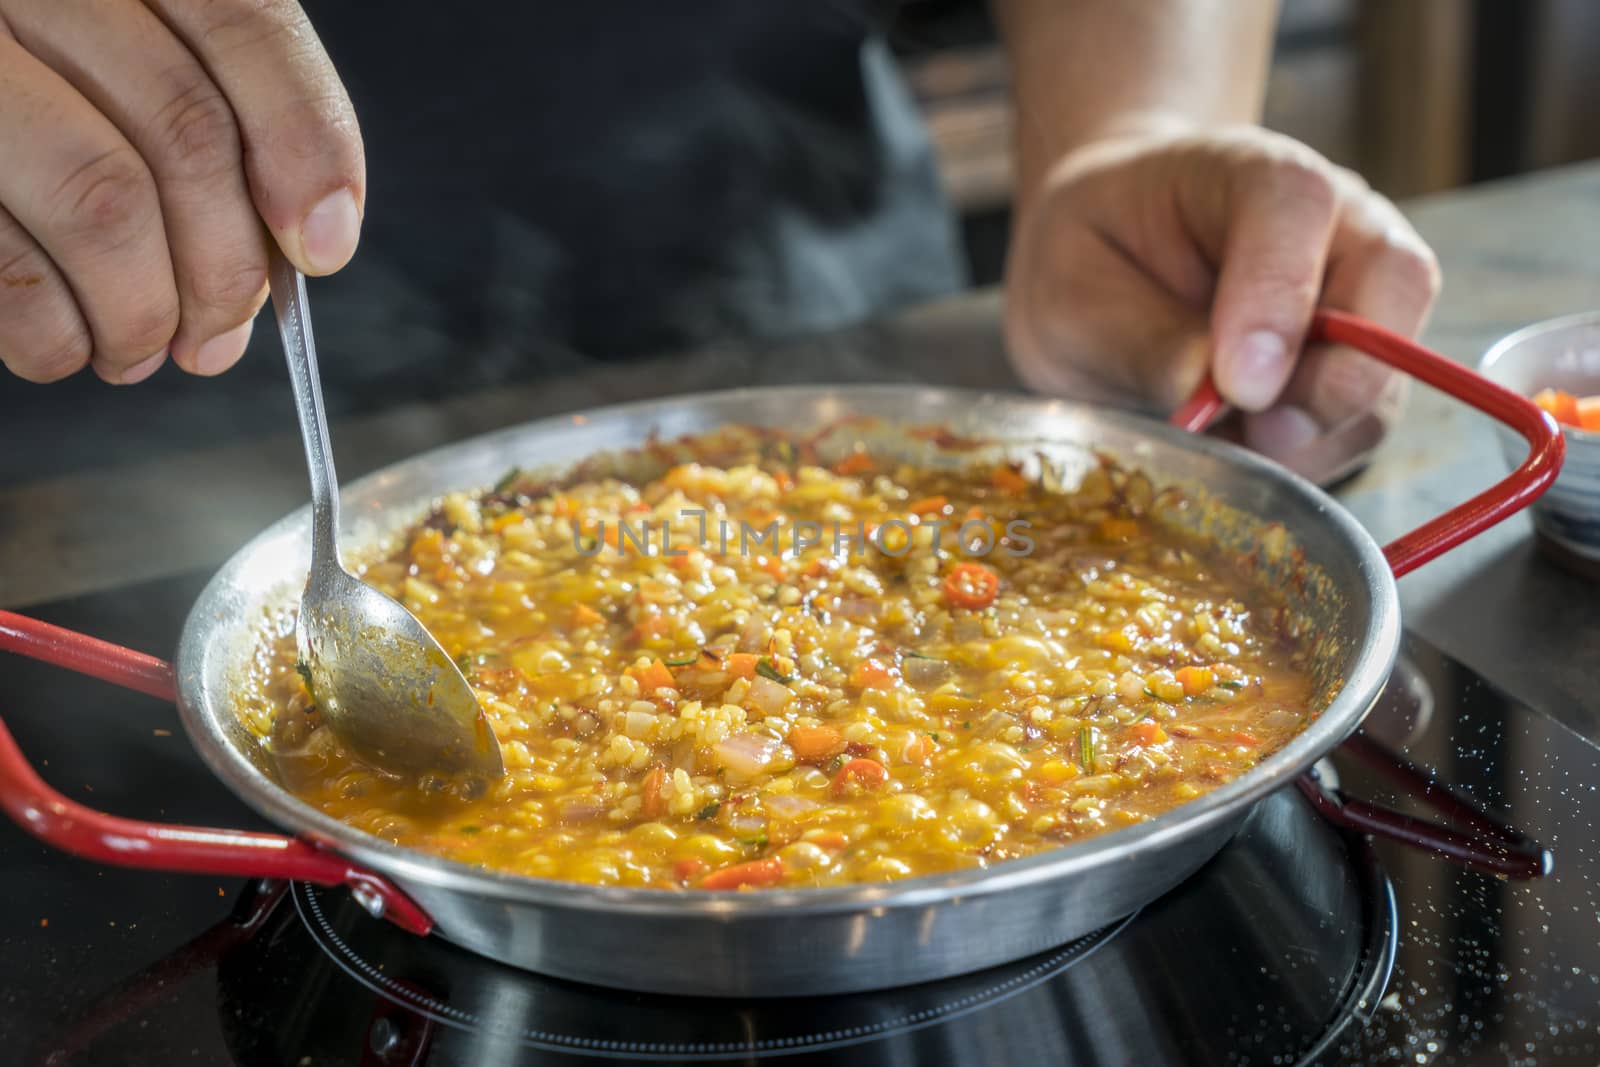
<point x="770" y="696"/>
<point x="746" y="754"/>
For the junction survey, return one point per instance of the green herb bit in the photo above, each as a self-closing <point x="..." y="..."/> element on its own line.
<point x="709" y="811"/>
<point x="1086" y="748"/>
<point x="757" y="843"/>
<point x="472" y="829"/>
<point x="1153" y="695"/>
<point x="304" y="671"/>
<point x="765" y="668"/>
<point x="913" y="654"/>
<point x="967" y="725"/>
<point x="690" y="661"/>
<point x="507" y="480"/>
<point x="1231" y="685"/>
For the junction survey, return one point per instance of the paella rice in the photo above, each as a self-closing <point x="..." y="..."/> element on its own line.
<point x="743" y="666"/>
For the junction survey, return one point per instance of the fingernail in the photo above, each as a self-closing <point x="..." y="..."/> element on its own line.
<point x="1282" y="431"/>
<point x="329" y="234"/>
<point x="143" y="369"/>
<point x="1254" y="371"/>
<point x="223" y="350"/>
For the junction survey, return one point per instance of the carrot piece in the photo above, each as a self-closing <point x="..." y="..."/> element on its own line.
<point x="687" y="868"/>
<point x="920" y="750"/>
<point x="652" y="804"/>
<point x="754" y="872"/>
<point x="815" y="567"/>
<point x="828" y="839"/>
<point x="854" y="463"/>
<point x="815" y="744"/>
<point x="871" y="674"/>
<point x="868" y="773"/>
<point x="929" y="505"/>
<point x="1244" y="737"/>
<point x="971" y="585"/>
<point x="584" y="615"/>
<point x="773" y="566"/>
<point x="741" y="664"/>
<point x="1196" y="680"/>
<point x="1009" y="479"/>
<point x="1146" y="733"/>
<point x="785" y="481"/>
<point x="1589" y="413"/>
<point x="1562" y="406"/>
<point x="652" y="676"/>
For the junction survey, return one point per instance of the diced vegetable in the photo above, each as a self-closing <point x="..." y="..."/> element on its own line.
<point x="1086" y="748"/>
<point x="1008" y="479"/>
<point x="771" y="697"/>
<point x="1146" y="733"/>
<point x="854" y="463"/>
<point x="741" y="664"/>
<point x="1196" y="680"/>
<point x="1563" y="407"/>
<point x="687" y="868"/>
<point x="653" y="805"/>
<point x="866" y="773"/>
<point x="745" y="754"/>
<point x="652" y="676"/>
<point x="815" y="744"/>
<point x="1589" y="413"/>
<point x="752" y="873"/>
<point x="766" y="669"/>
<point x="971" y="585"/>
<point x="584" y="615"/>
<point x="872" y="674"/>
<point x="929" y="505"/>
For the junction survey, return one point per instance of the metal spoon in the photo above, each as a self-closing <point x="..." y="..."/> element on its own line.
<point x="382" y="683"/>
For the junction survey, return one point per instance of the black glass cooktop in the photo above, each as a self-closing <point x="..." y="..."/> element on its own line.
<point x="1299" y="943"/>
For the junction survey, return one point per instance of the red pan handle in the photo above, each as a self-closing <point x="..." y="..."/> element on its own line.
<point x="83" y="831"/>
<point x="1491" y="845"/>
<point x="1546" y="446"/>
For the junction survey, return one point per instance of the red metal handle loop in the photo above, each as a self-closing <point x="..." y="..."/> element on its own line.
<point x="83" y="831"/>
<point x="92" y="834"/>
<point x="86" y="655"/>
<point x="1546" y="446"/>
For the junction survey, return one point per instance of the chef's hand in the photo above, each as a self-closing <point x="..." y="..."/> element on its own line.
<point x="1147" y="257"/>
<point x="143" y="144"/>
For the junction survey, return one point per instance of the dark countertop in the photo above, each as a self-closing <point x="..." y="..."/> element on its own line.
<point x="103" y="487"/>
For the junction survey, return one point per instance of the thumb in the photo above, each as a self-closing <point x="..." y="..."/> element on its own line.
<point x="1281" y="221"/>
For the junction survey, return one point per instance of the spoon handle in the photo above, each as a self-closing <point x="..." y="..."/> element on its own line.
<point x="294" y="326"/>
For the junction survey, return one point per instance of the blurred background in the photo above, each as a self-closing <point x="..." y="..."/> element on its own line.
<point x="1417" y="95"/>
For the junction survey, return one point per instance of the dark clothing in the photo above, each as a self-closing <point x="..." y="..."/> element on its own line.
<point x="620" y="176"/>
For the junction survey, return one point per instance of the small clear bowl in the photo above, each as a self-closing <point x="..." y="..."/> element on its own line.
<point x="1562" y="354"/>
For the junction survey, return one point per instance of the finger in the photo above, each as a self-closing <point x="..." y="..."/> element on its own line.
<point x="42" y="336"/>
<point x="127" y="63"/>
<point x="89" y="201"/>
<point x="1085" y="320"/>
<point x="1340" y="403"/>
<point x="1281" y="212"/>
<point x="302" y="147"/>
